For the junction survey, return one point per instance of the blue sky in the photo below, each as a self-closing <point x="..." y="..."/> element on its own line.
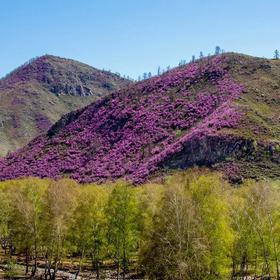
<point x="134" y="36"/>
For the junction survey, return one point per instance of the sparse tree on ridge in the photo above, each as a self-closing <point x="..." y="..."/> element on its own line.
<point x="276" y="54"/>
<point x="182" y="62"/>
<point x="201" y="55"/>
<point x="217" y="50"/>
<point x="193" y="58"/>
<point x="159" y="71"/>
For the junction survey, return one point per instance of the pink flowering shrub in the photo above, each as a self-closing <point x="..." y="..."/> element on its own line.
<point x="130" y="133"/>
<point x="232" y="171"/>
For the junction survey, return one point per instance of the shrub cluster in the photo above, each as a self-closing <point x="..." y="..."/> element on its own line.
<point x="131" y="132"/>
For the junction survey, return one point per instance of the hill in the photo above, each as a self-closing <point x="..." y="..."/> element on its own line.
<point x="221" y="111"/>
<point x="37" y="94"/>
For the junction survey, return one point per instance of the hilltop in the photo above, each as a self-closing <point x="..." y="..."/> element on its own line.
<point x="221" y="112"/>
<point x="37" y="94"/>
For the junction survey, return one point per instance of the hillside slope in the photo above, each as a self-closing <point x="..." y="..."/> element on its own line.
<point x="221" y="112"/>
<point x="37" y="94"/>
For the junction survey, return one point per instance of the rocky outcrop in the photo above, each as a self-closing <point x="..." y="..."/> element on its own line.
<point x="224" y="152"/>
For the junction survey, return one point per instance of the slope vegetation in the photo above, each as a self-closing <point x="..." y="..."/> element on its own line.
<point x="37" y="94"/>
<point x="221" y="112"/>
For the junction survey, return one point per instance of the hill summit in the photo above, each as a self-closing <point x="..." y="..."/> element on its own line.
<point x="220" y="111"/>
<point x="37" y="94"/>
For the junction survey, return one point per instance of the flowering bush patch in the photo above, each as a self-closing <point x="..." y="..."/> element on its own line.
<point x="131" y="132"/>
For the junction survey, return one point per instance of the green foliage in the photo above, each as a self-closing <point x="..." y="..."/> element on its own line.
<point x="256" y="222"/>
<point x="87" y="233"/>
<point x="192" y="235"/>
<point x="192" y="226"/>
<point x="58" y="205"/>
<point x="4" y="214"/>
<point x="12" y="269"/>
<point x="123" y="233"/>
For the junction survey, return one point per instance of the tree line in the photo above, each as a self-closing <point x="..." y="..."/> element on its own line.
<point x="194" y="225"/>
<point x="217" y="51"/>
<point x="146" y="75"/>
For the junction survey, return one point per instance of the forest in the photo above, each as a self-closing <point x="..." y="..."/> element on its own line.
<point x="192" y="225"/>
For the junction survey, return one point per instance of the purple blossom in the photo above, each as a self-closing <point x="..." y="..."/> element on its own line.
<point x="130" y="133"/>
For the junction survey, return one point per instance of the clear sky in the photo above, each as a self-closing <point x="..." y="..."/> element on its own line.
<point x="134" y="36"/>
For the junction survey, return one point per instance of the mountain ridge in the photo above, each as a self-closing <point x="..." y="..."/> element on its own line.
<point x="203" y="113"/>
<point x="38" y="93"/>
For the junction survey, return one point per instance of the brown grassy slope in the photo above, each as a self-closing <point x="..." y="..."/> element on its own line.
<point x="261" y="97"/>
<point x="260" y="124"/>
<point x="37" y="94"/>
